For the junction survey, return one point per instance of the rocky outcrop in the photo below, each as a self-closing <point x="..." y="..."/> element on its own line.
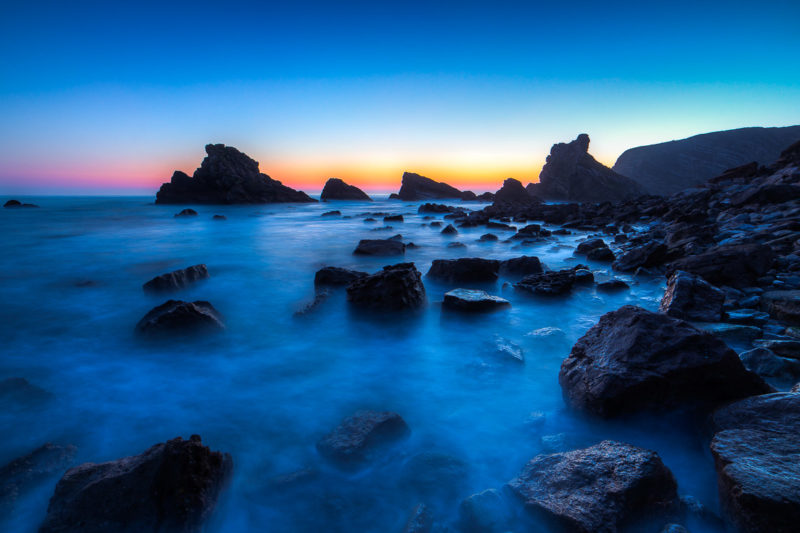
<point x="734" y="265"/>
<point x="473" y="300"/>
<point x="669" y="167"/>
<point x="633" y="359"/>
<point x="646" y="255"/>
<point x="11" y="204"/>
<point x="173" y="486"/>
<point x="27" y="471"/>
<point x="521" y="266"/>
<point x="186" y="213"/>
<point x="570" y="173"/>
<point x="690" y="297"/>
<point x="512" y="192"/>
<point x="226" y="176"/>
<point x="415" y="187"/>
<point x="336" y="277"/>
<point x="179" y="317"/>
<point x="380" y="247"/>
<point x="177" y="279"/>
<point x="360" y="435"/>
<point x="601" y="489"/>
<point x="554" y="282"/>
<point x="449" y="230"/>
<point x="394" y="288"/>
<point x="755" y="452"/>
<point x="464" y="270"/>
<point x="336" y="189"/>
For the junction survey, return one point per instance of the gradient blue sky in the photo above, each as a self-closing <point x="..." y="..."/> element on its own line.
<point x="103" y="97"/>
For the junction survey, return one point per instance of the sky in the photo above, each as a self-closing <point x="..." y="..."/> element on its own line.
<point x="111" y="97"/>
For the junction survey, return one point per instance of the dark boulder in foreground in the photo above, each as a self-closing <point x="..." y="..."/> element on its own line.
<point x="360" y="435"/>
<point x="173" y="486"/>
<point x="226" y="176"/>
<point x="473" y="300"/>
<point x="465" y="269"/>
<point x="600" y="489"/>
<point x="16" y="203"/>
<point x="735" y="265"/>
<point x="755" y="451"/>
<point x="415" y="187"/>
<point x="633" y="359"/>
<point x="335" y="276"/>
<point x="27" y="471"/>
<point x="380" y="247"/>
<point x="336" y="189"/>
<point x="393" y="288"/>
<point x="690" y="297"/>
<point x="554" y="282"/>
<point x="179" y="317"/>
<point x="177" y="279"/>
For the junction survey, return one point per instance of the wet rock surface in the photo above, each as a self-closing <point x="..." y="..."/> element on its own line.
<point x="360" y="435"/>
<point x="690" y="297"/>
<point x="380" y="247"/>
<point x="466" y="269"/>
<point x="176" y="280"/>
<point x="24" y="473"/>
<point x="179" y="317"/>
<point x="395" y="287"/>
<point x="336" y="277"/>
<point x="554" y="283"/>
<point x="473" y="300"/>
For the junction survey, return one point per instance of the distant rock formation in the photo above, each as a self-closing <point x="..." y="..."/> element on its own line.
<point x="570" y="173"/>
<point x="336" y="189"/>
<point x="670" y="167"/>
<point x="415" y="187"/>
<point x="227" y="176"/>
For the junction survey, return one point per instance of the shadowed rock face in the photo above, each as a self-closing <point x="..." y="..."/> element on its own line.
<point x="173" y="486"/>
<point x="570" y="173"/>
<point x="360" y="435"/>
<point x="690" y="297"/>
<point x="670" y="167"/>
<point x="395" y="287"/>
<point x="416" y="187"/>
<point x="600" y="489"/>
<point x="177" y="279"/>
<point x="179" y="317"/>
<point x="226" y="176"/>
<point x="512" y="192"/>
<point x="336" y="189"/>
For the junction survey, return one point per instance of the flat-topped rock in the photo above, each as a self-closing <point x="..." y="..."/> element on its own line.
<point x="524" y="265"/>
<point x="179" y="317"/>
<point x="380" y="247"/>
<point x="473" y="300"/>
<point x="360" y="435"/>
<point x="177" y="279"/>
<point x="337" y="189"/>
<point x="394" y="288"/>
<point x="465" y="269"/>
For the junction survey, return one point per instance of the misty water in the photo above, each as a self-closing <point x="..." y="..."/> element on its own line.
<point x="273" y="383"/>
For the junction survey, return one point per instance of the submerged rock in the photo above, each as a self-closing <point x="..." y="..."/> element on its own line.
<point x="177" y="279"/>
<point x="473" y="300"/>
<point x="179" y="317"/>
<point x="484" y="512"/>
<point x="449" y="230"/>
<point x="226" y="176"/>
<point x="173" y="486"/>
<point x="434" y="474"/>
<point x="633" y="359"/>
<point x="393" y="288"/>
<point x="420" y="521"/>
<point x="690" y="297"/>
<point x="755" y="451"/>
<point x="11" y="204"/>
<point x="614" y="285"/>
<point x="336" y="189"/>
<point x="393" y="218"/>
<point x="380" y="247"/>
<point x="600" y="489"/>
<point x="335" y="213"/>
<point x="465" y="269"/>
<point x="488" y="237"/>
<point x="27" y="471"/>
<point x="335" y="276"/>
<point x="186" y="213"/>
<point x="19" y="393"/>
<point x="360" y="435"/>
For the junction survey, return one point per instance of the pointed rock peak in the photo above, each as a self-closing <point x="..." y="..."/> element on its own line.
<point x="337" y="189"/>
<point x="582" y="141"/>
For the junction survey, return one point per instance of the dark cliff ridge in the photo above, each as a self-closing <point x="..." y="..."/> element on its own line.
<point x="227" y="176"/>
<point x="336" y="189"/>
<point x="670" y="167"/>
<point x="571" y="173"/>
<point x="415" y="187"/>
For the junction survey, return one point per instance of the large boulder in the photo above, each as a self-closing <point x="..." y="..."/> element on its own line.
<point x="336" y="189"/>
<point x="512" y="192"/>
<point x="690" y="297"/>
<point x="27" y="471"/>
<point x="633" y="359"/>
<point x="226" y="176"/>
<point x="415" y="187"/>
<point x="177" y="279"/>
<point x="173" y="486"/>
<point x="756" y="451"/>
<point x="380" y="247"/>
<point x="335" y="276"/>
<point x="473" y="300"/>
<point x="600" y="489"/>
<point x="570" y="173"/>
<point x="782" y="305"/>
<point x="358" y="436"/>
<point x="393" y="288"/>
<point x="524" y="265"/>
<point x="735" y="265"/>
<point x="465" y="269"/>
<point x="179" y="317"/>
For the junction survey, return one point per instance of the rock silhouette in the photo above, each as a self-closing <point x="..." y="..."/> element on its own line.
<point x="337" y="189"/>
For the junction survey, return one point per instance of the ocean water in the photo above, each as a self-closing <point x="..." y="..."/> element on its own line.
<point x="267" y="389"/>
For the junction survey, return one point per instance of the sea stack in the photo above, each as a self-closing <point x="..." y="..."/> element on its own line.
<point x="415" y="187"/>
<point x="336" y="189"/>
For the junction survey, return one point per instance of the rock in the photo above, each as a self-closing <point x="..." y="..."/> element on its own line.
<point x="435" y="208"/>
<point x="755" y="449"/>
<point x="436" y="224"/>
<point x="674" y="528"/>
<point x="177" y="279"/>
<point x="226" y="176"/>
<point x="179" y="317"/>
<point x="393" y="218"/>
<point x="782" y="305"/>
<point x="735" y="265"/>
<point x="335" y="213"/>
<point x="488" y="237"/>
<point x="360" y="435"/>
<point x="592" y="244"/>
<point x="433" y="473"/>
<point x="186" y="213"/>
<point x="601" y="489"/>
<point x="173" y="486"/>
<point x="415" y="187"/>
<point x="647" y="255"/>
<point x="550" y="283"/>
<point x="319" y="297"/>
<point x="335" y="276"/>
<point x="601" y="254"/>
<point x="521" y="266"/>
<point x="465" y="269"/>
<point x="484" y="512"/>
<point x="336" y="189"/>
<point x="393" y="288"/>
<point x="12" y="204"/>
<point x="767" y="193"/>
<point x="420" y="521"/>
<point x="219" y="217"/>
<point x="19" y="393"/>
<point x="473" y="300"/>
<point x="449" y="230"/>
<point x="456" y="244"/>
<point x="570" y="173"/>
<point x="690" y="297"/>
<point x="731" y="333"/>
<point x="785" y="347"/>
<point x="27" y="471"/>
<point x="380" y="247"/>
<point x="633" y="360"/>
<point x="765" y="363"/>
<point x="613" y="285"/>
<point x="747" y="316"/>
<point x="512" y="192"/>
